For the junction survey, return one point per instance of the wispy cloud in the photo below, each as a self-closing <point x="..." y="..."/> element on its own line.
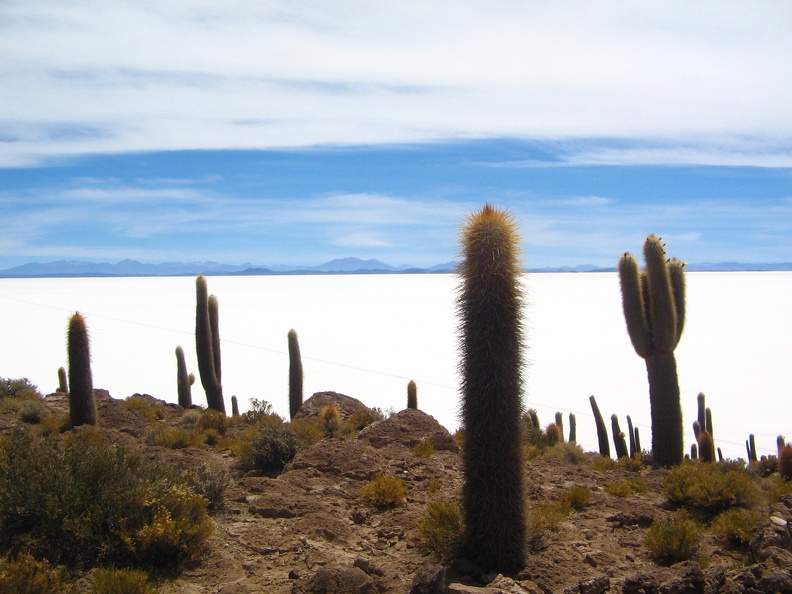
<point x="142" y="76"/>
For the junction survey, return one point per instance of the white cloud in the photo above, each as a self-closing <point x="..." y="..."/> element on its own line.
<point x="84" y="77"/>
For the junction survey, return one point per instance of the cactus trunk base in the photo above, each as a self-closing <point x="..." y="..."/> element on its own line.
<point x="667" y="438"/>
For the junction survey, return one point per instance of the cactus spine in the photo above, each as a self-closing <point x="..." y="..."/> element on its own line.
<point x="490" y="303"/>
<point x="412" y="395"/>
<point x="653" y="301"/>
<point x="295" y="374"/>
<point x="82" y="405"/>
<point x="183" y="384"/>
<point x="602" y="431"/>
<point x="206" y="345"/>
<point x="63" y="383"/>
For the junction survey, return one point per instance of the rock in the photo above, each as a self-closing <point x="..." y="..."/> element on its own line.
<point x="337" y="580"/>
<point x="408" y="428"/>
<point x="596" y="585"/>
<point x="347" y="406"/>
<point x="429" y="579"/>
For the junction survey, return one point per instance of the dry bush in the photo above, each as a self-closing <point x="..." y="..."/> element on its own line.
<point x="145" y="408"/>
<point x="543" y="519"/>
<point x="84" y="501"/>
<point x="122" y="581"/>
<point x="441" y="530"/>
<point x="384" y="491"/>
<point x="706" y="490"/>
<point x="28" y="575"/>
<point x="423" y="449"/>
<point x="737" y="525"/>
<point x="576" y="498"/>
<point x="630" y="486"/>
<point x="673" y="540"/>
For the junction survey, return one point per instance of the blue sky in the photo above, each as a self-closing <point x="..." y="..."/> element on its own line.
<point x="295" y="133"/>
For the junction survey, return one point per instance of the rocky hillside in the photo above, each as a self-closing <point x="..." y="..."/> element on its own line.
<point x="309" y="529"/>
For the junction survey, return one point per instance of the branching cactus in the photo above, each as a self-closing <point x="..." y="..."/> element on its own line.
<point x="183" y="385"/>
<point x="490" y="305"/>
<point x="82" y="405"/>
<point x="654" y="309"/>
<point x="412" y="395"/>
<point x="295" y="374"/>
<point x="602" y="430"/>
<point x="205" y="346"/>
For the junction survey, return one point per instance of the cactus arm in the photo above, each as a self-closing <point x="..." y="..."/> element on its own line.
<point x="662" y="306"/>
<point x="214" y="323"/>
<point x="676" y="270"/>
<point x="602" y="431"/>
<point x="634" y="306"/>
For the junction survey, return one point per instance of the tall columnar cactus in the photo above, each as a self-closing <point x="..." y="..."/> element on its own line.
<point x="631" y="436"/>
<point x="559" y="420"/>
<point x="701" y="416"/>
<point x="572" y="428"/>
<point x="205" y="348"/>
<point x="234" y="406"/>
<point x="654" y="309"/>
<point x="490" y="304"/>
<point x="183" y="386"/>
<point x="618" y="438"/>
<point x="63" y="383"/>
<point x="295" y="374"/>
<point x="82" y="405"/>
<point x="214" y="324"/>
<point x="602" y="431"/>
<point x="412" y="395"/>
<point x="750" y="445"/>
<point x="785" y="462"/>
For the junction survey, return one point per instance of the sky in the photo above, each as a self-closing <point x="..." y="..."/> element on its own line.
<point x="298" y="132"/>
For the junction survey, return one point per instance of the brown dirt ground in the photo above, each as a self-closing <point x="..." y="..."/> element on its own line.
<point x="309" y="530"/>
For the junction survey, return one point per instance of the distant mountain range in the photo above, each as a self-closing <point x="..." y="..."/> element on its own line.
<point x="72" y="268"/>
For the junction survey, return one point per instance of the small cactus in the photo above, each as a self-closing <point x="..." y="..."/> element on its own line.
<point x="785" y="462"/>
<point x="183" y="385"/>
<point x="572" y="428"/>
<point x="553" y="435"/>
<point x="559" y="420"/>
<point x="234" y="406"/>
<point x="602" y="431"/>
<point x="82" y="405"/>
<point x="706" y="447"/>
<point x="412" y="395"/>
<point x="331" y="419"/>
<point x="295" y="374"/>
<point x="693" y="451"/>
<point x="63" y="384"/>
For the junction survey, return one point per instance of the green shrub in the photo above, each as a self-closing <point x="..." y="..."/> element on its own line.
<point x="28" y="575"/>
<point x="673" y="540"/>
<point x="441" y="530"/>
<point x="706" y="490"/>
<point x="273" y="448"/>
<point x="737" y="525"/>
<point x="145" y="407"/>
<point x="214" y="420"/>
<point x="210" y="481"/>
<point x="384" y="490"/>
<point x="84" y="502"/>
<point x="176" y="438"/>
<point x="566" y="451"/>
<point x="629" y="486"/>
<point x="260" y="410"/>
<point x="424" y="448"/>
<point x="122" y="581"/>
<point x="19" y="388"/>
<point x="362" y="418"/>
